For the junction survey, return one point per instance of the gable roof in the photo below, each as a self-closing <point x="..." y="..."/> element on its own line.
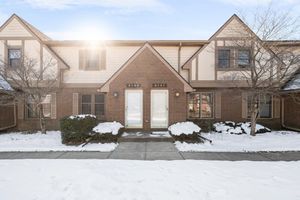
<point x="187" y="86"/>
<point x="41" y="37"/>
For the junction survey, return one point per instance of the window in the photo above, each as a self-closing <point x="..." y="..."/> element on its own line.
<point x="99" y="104"/>
<point x="223" y="58"/>
<point x="92" y="60"/>
<point x="93" y="104"/>
<point x="33" y="110"/>
<point x="265" y="106"/>
<point x="86" y="104"/>
<point x="243" y="58"/>
<point x="14" y="57"/>
<point x="201" y="105"/>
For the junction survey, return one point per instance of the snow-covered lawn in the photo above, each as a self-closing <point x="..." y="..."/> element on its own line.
<point x="45" y="142"/>
<point x="126" y="180"/>
<point x="273" y="141"/>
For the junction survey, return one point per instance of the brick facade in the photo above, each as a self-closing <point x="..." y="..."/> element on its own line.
<point x="291" y="112"/>
<point x="146" y="69"/>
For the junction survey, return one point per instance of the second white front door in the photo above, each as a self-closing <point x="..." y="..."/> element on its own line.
<point x="134" y="108"/>
<point x="159" y="108"/>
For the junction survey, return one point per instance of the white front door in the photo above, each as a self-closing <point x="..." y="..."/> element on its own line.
<point x="134" y="108"/>
<point x="159" y="108"/>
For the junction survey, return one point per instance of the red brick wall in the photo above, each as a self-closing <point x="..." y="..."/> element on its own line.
<point x="146" y="69"/>
<point x="292" y="112"/>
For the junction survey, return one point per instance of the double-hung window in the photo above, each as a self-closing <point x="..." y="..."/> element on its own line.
<point x="243" y="60"/>
<point x="223" y="58"/>
<point x="265" y="106"/>
<point x="14" y="57"/>
<point x="93" y="104"/>
<point x="200" y="105"/>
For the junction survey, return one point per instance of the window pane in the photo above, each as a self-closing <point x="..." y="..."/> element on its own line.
<point x="194" y="108"/>
<point x="265" y="106"/>
<point x="244" y="58"/>
<point x="14" y="57"/>
<point x="47" y="110"/>
<point x="86" y="98"/>
<point x="99" y="98"/>
<point x="14" y="53"/>
<point x="99" y="109"/>
<point x="32" y="111"/>
<point x="206" y="105"/>
<point x="86" y="109"/>
<point x="93" y="59"/>
<point x="224" y="58"/>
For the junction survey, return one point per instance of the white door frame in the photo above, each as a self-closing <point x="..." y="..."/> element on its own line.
<point x="167" y="108"/>
<point x="126" y="108"/>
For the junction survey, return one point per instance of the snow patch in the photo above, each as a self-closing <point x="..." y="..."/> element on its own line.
<point x="46" y="142"/>
<point x="108" y="127"/>
<point x="186" y="128"/>
<point x="239" y="128"/>
<point x="223" y="142"/>
<point x="159" y="180"/>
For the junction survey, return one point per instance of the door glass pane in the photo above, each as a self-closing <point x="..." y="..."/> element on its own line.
<point x="134" y="108"/>
<point x="159" y="115"/>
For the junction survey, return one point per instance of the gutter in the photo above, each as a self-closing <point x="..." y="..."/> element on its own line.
<point x="282" y="119"/>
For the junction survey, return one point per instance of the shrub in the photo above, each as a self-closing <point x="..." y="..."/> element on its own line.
<point x="191" y="138"/>
<point x="76" y="129"/>
<point x="107" y="132"/>
<point x="185" y="132"/>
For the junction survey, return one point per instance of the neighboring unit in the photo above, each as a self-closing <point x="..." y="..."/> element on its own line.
<point x="142" y="84"/>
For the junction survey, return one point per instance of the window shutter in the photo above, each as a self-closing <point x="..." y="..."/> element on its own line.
<point x="82" y="60"/>
<point x="276" y="106"/>
<point x="103" y="59"/>
<point x="75" y="104"/>
<point x="218" y="105"/>
<point x="53" y="106"/>
<point x="244" y="105"/>
<point x="20" y="109"/>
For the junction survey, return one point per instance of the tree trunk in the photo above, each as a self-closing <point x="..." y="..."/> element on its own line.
<point x="42" y="120"/>
<point x="254" y="114"/>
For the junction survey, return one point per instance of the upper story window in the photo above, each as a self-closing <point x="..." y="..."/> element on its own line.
<point x="243" y="60"/>
<point x="201" y="105"/>
<point x="224" y="58"/>
<point x="92" y="59"/>
<point x="14" y="57"/>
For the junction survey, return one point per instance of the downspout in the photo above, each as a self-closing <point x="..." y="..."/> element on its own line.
<point x="179" y="57"/>
<point x="282" y="118"/>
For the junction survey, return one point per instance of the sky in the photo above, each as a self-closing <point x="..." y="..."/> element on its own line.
<point x="134" y="19"/>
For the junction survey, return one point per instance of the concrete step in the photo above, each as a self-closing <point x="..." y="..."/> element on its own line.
<point x="145" y="137"/>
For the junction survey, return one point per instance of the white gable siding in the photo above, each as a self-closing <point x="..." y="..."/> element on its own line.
<point x="2" y="46"/>
<point x="170" y="54"/>
<point x="32" y="51"/>
<point x="186" y="53"/>
<point x="14" y="29"/>
<point x="50" y="63"/>
<point x="115" y="58"/>
<point x="234" y="29"/>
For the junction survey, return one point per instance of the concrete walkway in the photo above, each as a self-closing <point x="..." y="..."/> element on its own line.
<point x="155" y="151"/>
